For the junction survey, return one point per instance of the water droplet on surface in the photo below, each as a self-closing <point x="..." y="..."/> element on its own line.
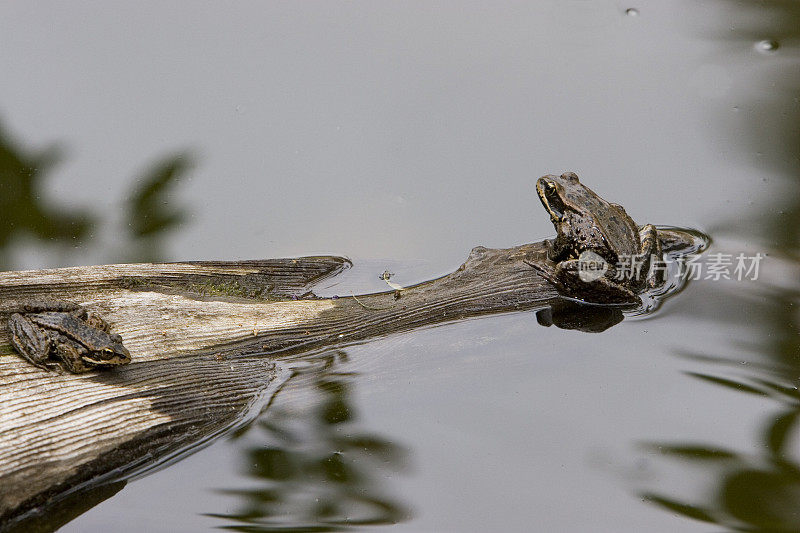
<point x="767" y="46"/>
<point x="632" y="12"/>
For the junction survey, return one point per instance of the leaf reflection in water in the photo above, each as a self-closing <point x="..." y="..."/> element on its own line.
<point x="23" y="173"/>
<point x="28" y="217"/>
<point x="757" y="489"/>
<point x="315" y="470"/>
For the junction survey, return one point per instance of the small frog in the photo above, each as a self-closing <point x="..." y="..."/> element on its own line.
<point x="593" y="231"/>
<point x="58" y="329"/>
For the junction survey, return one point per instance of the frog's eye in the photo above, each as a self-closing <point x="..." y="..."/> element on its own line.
<point x="554" y="203"/>
<point x="570" y="177"/>
<point x="550" y="190"/>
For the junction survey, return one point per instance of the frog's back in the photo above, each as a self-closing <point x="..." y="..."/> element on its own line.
<point x="623" y="230"/>
<point x="74" y="328"/>
<point x="614" y="223"/>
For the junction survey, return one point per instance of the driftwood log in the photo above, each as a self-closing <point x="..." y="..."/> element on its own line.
<point x="206" y="340"/>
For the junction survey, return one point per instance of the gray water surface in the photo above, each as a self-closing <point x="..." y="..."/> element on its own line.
<point x="402" y="135"/>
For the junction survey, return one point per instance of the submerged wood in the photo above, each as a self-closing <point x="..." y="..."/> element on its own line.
<point x="204" y="337"/>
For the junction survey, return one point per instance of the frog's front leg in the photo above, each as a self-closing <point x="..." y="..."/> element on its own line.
<point x="71" y="355"/>
<point x="558" y="248"/>
<point x="650" y="250"/>
<point x="29" y="340"/>
<point x="597" y="290"/>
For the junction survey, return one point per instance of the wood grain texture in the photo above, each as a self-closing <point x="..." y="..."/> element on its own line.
<point x="204" y="338"/>
<point x="61" y="433"/>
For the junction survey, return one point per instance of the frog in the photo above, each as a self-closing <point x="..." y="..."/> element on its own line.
<point x="58" y="334"/>
<point x="593" y="232"/>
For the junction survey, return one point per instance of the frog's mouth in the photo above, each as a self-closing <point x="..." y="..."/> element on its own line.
<point x="551" y="199"/>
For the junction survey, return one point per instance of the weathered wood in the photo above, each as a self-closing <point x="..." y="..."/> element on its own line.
<point x="61" y="433"/>
<point x="204" y="338"/>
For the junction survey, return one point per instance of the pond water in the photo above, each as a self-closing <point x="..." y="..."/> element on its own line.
<point x="402" y="135"/>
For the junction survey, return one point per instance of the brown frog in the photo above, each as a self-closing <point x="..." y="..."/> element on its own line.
<point x="51" y="332"/>
<point x="600" y="255"/>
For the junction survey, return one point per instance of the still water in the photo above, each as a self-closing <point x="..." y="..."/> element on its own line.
<point x="402" y="135"/>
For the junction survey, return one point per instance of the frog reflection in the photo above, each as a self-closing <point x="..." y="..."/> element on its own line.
<point x="567" y="314"/>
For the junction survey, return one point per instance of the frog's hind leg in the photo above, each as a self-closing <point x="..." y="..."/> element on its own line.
<point x="40" y="305"/>
<point x="601" y="290"/>
<point x="29" y="341"/>
<point x="651" y="251"/>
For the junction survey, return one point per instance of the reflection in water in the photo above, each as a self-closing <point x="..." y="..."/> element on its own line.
<point x="24" y="213"/>
<point x="758" y="492"/>
<point x="315" y="471"/>
<point x="752" y="493"/>
<point x="761" y="492"/>
<point x="149" y="212"/>
<point x="150" y="215"/>
<point x="568" y="314"/>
